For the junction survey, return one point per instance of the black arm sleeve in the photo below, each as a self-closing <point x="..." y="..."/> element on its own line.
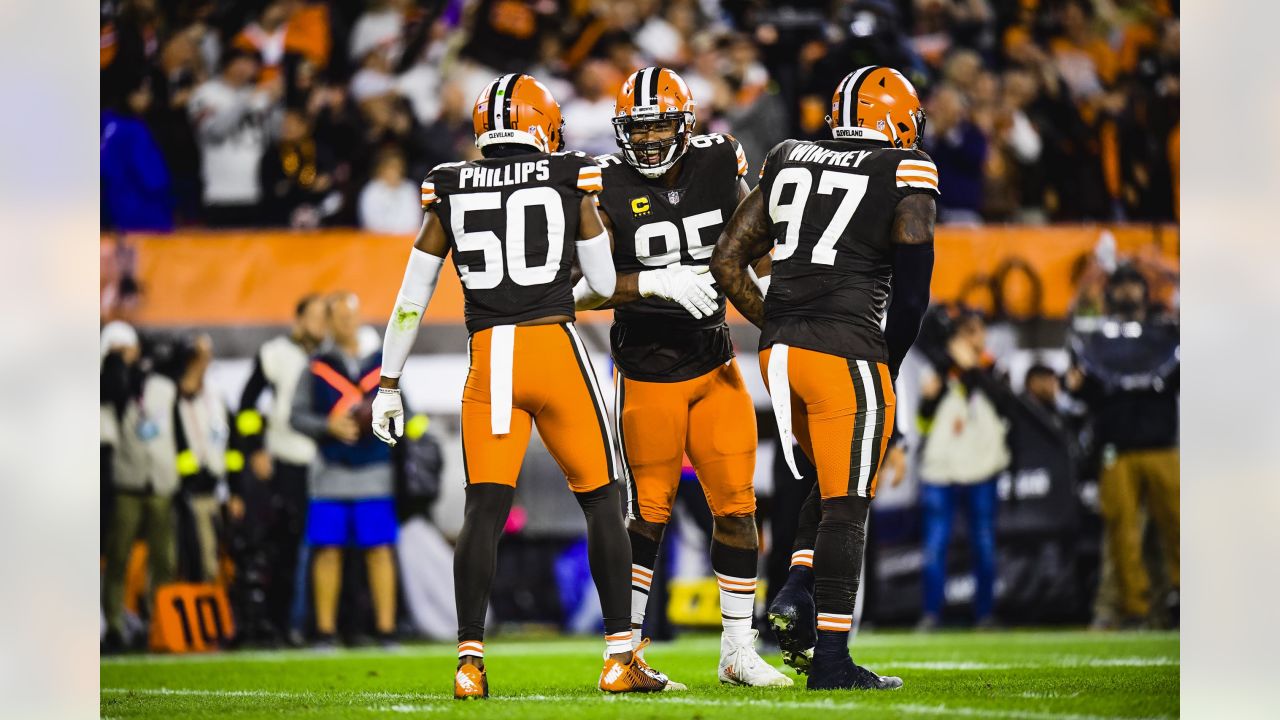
<point x="912" y="271"/>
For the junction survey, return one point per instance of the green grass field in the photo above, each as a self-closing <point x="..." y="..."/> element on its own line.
<point x="1038" y="675"/>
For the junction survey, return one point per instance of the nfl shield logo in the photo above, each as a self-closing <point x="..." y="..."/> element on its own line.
<point x="673" y="197"/>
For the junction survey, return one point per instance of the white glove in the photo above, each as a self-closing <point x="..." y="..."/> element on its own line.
<point x="388" y="409"/>
<point x="692" y="287"/>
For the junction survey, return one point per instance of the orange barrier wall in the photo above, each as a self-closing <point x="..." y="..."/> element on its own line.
<point x="236" y="278"/>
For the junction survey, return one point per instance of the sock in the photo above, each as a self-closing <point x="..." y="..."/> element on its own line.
<point x="801" y="572"/>
<point x="476" y="556"/>
<point x="644" y="556"/>
<point x="617" y="643"/>
<point x="802" y="560"/>
<point x="735" y="570"/>
<point x="474" y="648"/>
<point x="807" y="525"/>
<point x="837" y="562"/>
<point x="608" y="549"/>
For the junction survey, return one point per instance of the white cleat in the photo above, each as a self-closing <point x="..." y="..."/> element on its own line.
<point x="740" y="664"/>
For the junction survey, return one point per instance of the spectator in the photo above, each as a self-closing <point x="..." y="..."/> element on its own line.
<point x="380" y="27"/>
<point x="283" y="28"/>
<point x="136" y="192"/>
<point x="390" y="203"/>
<point x="388" y="122"/>
<point x="296" y="176"/>
<point x="1014" y="179"/>
<point x="1102" y="97"/>
<point x="663" y="41"/>
<point x="351" y="490"/>
<point x="232" y="119"/>
<point x="959" y="149"/>
<point x="374" y="79"/>
<point x="184" y="64"/>
<point x="963" y="453"/>
<point x="1127" y="372"/>
<point x="280" y="458"/>
<point x="588" y="118"/>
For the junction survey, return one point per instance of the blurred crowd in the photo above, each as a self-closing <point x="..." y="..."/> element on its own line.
<point x="267" y="498"/>
<point x="308" y="113"/>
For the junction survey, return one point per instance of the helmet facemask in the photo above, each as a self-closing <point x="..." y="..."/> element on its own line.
<point x="653" y="158"/>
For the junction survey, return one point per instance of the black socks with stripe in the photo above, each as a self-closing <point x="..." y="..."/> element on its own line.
<point x="735" y="570"/>
<point x="644" y="557"/>
<point x="837" y="564"/>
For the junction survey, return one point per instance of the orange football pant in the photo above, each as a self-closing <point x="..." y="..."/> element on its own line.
<point x="710" y="417"/>
<point x="553" y="385"/>
<point x="842" y="416"/>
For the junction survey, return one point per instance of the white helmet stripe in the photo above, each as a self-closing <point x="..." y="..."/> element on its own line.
<point x="645" y="87"/>
<point x="501" y="96"/>
<point x="848" y="99"/>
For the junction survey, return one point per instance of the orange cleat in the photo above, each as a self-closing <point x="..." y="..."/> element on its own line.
<point x="470" y="683"/>
<point x="635" y="676"/>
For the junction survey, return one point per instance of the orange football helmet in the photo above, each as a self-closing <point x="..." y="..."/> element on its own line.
<point x="653" y="95"/>
<point x="877" y="103"/>
<point x="517" y="109"/>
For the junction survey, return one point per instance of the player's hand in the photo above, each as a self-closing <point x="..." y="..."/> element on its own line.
<point x="388" y="412"/>
<point x="693" y="288"/>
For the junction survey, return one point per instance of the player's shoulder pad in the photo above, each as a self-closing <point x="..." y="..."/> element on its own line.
<point x="915" y="170"/>
<point x="721" y="144"/>
<point x="609" y="160"/>
<point x="778" y="153"/>
<point x="440" y="181"/>
<point x="588" y="174"/>
<point x="739" y="155"/>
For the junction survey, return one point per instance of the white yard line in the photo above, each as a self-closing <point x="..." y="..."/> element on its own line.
<point x="281" y="656"/>
<point x="439" y="702"/>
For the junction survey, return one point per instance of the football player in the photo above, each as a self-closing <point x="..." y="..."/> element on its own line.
<point x="851" y="220"/>
<point x="515" y="221"/>
<point x="667" y="196"/>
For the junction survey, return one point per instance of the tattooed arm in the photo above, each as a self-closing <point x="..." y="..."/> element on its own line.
<point x="745" y="238"/>
<point x="912" y="271"/>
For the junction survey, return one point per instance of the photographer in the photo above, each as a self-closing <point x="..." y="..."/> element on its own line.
<point x="142" y="501"/>
<point x="961" y="417"/>
<point x="1126" y="370"/>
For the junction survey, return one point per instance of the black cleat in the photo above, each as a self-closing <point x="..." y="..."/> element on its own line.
<point x="791" y="616"/>
<point x="845" y="674"/>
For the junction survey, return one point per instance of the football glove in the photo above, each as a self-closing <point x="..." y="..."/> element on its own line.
<point x="388" y="411"/>
<point x="692" y="288"/>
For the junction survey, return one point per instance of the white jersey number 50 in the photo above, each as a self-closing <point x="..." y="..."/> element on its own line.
<point x="488" y="243"/>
